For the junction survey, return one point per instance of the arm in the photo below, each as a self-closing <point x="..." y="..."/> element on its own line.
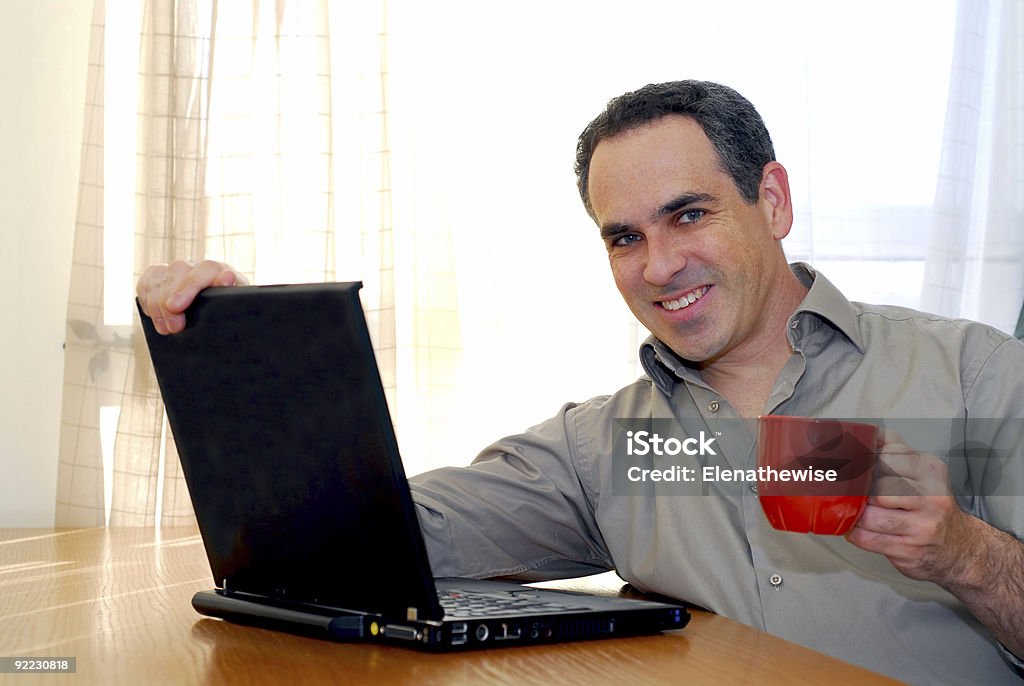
<point x="914" y="521"/>
<point x="166" y="290"/>
<point x="519" y="510"/>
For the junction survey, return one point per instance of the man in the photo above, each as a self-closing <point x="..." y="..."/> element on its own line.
<point x="682" y="182"/>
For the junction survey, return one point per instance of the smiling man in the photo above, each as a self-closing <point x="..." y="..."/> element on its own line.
<point x="682" y="181"/>
<point x="699" y="265"/>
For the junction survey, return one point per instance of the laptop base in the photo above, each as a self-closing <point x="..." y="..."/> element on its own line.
<point x="601" y="617"/>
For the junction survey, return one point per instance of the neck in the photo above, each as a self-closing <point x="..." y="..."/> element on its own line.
<point x="745" y="376"/>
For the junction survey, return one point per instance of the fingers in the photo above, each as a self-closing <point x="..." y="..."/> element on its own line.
<point x="229" y="277"/>
<point x="903" y="477"/>
<point x="903" y="474"/>
<point x="920" y="543"/>
<point x="883" y="520"/>
<point x="166" y="291"/>
<point x="152" y="289"/>
<point x="887" y="436"/>
<point x="904" y="520"/>
<point x="182" y="290"/>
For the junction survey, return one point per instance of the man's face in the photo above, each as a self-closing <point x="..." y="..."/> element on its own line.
<point x="695" y="262"/>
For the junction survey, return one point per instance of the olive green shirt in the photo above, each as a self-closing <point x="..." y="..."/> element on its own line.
<point x="553" y="501"/>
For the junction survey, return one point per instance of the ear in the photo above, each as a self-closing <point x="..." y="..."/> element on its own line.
<point x="775" y="199"/>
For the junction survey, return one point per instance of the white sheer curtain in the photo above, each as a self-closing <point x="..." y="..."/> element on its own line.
<point x="975" y="263"/>
<point x="427" y="149"/>
<point x="231" y="157"/>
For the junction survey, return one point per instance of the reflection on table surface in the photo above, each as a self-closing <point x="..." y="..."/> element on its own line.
<point x="118" y="600"/>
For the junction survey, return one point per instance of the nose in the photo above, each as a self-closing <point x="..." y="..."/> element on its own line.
<point x="666" y="257"/>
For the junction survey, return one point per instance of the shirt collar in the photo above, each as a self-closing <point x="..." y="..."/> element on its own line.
<point x="823" y="300"/>
<point x="827" y="302"/>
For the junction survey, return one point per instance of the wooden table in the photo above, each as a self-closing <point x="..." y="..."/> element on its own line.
<point x="117" y="600"/>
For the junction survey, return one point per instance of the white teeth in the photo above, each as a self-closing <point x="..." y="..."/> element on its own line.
<point x="686" y="300"/>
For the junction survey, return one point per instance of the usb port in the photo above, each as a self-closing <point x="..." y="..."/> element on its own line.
<point x="460" y="628"/>
<point x="459" y="639"/>
<point x="405" y="633"/>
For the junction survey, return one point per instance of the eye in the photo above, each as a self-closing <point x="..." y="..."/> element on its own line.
<point x="626" y="239"/>
<point x="691" y="216"/>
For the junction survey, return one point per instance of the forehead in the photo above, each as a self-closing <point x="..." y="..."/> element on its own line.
<point x="649" y="164"/>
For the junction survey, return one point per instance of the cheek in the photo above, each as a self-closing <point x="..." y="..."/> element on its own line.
<point x="624" y="273"/>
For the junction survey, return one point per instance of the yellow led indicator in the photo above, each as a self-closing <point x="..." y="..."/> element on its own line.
<point x="374" y="628"/>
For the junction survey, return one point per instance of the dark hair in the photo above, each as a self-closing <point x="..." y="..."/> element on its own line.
<point x="732" y="124"/>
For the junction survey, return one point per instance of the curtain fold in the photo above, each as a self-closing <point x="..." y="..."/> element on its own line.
<point x="234" y="152"/>
<point x="89" y="384"/>
<point x="975" y="261"/>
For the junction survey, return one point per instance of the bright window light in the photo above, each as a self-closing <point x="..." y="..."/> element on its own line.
<point x="109" y="415"/>
<point x="120" y="69"/>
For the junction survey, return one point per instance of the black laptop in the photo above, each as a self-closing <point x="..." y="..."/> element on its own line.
<point x="276" y="405"/>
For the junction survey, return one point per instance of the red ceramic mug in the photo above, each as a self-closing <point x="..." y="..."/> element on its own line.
<point x="814" y="475"/>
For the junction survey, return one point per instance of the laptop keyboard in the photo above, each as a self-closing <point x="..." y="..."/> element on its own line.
<point x="458" y="603"/>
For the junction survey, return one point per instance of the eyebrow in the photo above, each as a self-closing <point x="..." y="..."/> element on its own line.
<point x="671" y="207"/>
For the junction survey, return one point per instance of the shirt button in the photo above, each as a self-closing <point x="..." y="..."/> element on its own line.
<point x="713" y="406"/>
<point x="795" y="323"/>
<point x="753" y="488"/>
<point x="775" y="580"/>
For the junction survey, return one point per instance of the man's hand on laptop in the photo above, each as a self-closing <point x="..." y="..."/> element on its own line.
<point x="166" y="290"/>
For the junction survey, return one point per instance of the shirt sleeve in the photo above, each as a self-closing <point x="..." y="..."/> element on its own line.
<point x="995" y="405"/>
<point x="519" y="510"/>
<point x="995" y="415"/>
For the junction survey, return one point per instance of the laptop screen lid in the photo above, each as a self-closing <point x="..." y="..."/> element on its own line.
<point x="277" y="408"/>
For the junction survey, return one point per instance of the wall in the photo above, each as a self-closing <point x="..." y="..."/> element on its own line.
<point x="43" y="57"/>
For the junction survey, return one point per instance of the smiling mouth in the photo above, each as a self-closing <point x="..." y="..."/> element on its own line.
<point x="686" y="300"/>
